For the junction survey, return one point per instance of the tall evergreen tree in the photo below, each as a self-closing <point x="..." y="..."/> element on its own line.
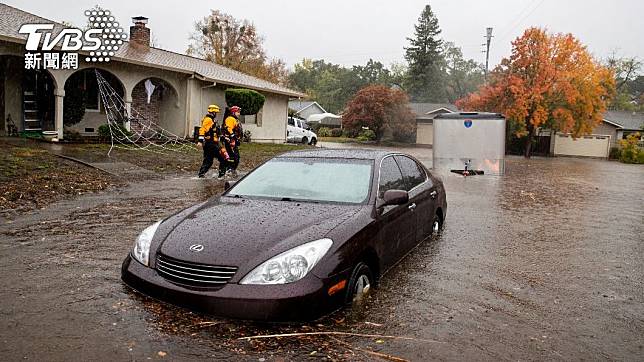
<point x="425" y="76"/>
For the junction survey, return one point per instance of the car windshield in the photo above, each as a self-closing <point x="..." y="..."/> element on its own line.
<point x="309" y="179"/>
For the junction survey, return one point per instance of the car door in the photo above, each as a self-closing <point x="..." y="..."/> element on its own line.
<point x="290" y="126"/>
<point x="299" y="132"/>
<point x="396" y="223"/>
<point x="421" y="196"/>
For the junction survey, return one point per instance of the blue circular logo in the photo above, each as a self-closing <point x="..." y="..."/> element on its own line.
<point x="468" y="123"/>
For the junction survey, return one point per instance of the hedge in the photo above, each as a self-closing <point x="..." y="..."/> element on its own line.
<point x="249" y="100"/>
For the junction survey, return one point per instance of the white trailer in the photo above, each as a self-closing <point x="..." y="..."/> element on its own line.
<point x="469" y="141"/>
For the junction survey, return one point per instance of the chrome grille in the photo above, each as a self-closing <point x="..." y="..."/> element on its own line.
<point x="200" y="275"/>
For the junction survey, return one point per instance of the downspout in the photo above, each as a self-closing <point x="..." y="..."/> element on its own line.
<point x="214" y="84"/>
<point x="188" y="105"/>
<point x="194" y="75"/>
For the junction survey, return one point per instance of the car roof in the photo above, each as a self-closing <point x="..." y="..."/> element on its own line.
<point x="339" y="153"/>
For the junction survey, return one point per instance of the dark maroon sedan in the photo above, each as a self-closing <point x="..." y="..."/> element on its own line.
<point x="299" y="236"/>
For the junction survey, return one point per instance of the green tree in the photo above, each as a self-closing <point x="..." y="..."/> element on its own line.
<point x="332" y="85"/>
<point x="374" y="72"/>
<point x="629" y="83"/>
<point x="425" y="75"/>
<point x="462" y="76"/>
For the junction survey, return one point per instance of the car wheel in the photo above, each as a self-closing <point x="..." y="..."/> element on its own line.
<point x="437" y="224"/>
<point x="305" y="140"/>
<point x="314" y="141"/>
<point x="360" y="283"/>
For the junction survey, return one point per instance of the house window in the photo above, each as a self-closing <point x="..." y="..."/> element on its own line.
<point x="249" y="119"/>
<point x="253" y="118"/>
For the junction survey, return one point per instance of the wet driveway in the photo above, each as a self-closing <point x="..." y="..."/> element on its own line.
<point x="546" y="262"/>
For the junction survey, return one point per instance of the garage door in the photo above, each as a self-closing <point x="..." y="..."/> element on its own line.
<point x="585" y="146"/>
<point x="424" y="133"/>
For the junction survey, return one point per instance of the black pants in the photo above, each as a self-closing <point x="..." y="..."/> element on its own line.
<point x="210" y="152"/>
<point x="233" y="152"/>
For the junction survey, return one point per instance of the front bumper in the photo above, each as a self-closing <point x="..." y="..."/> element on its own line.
<point x="304" y="300"/>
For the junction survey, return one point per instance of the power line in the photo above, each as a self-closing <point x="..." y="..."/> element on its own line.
<point x="517" y="23"/>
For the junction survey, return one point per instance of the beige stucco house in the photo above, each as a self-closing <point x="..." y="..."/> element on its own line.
<point x="425" y="113"/>
<point x="615" y="125"/>
<point x="184" y="86"/>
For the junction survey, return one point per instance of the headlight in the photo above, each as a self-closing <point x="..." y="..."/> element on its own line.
<point x="289" y="266"/>
<point x="141" y="250"/>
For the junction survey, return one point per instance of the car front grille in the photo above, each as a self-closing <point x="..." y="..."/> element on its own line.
<point x="194" y="274"/>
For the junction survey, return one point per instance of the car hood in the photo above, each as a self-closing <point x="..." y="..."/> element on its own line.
<point x="244" y="232"/>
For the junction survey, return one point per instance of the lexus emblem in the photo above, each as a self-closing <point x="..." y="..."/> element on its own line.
<point x="196" y="248"/>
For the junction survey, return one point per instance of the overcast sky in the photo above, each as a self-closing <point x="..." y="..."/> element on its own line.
<point x="352" y="31"/>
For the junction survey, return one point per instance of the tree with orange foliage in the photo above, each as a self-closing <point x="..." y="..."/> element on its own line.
<point x="383" y="110"/>
<point x="549" y="81"/>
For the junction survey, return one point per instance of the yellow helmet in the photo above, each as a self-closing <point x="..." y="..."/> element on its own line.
<point x="213" y="108"/>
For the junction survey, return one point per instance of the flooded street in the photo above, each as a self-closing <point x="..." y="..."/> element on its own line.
<point x="546" y="262"/>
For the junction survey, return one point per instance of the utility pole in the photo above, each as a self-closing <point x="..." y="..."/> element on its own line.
<point x="488" y="37"/>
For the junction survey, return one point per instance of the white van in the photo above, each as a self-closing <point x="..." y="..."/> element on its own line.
<point x="297" y="131"/>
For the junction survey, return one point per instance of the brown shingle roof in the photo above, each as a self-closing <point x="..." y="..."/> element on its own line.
<point x="421" y="109"/>
<point x="11" y="19"/>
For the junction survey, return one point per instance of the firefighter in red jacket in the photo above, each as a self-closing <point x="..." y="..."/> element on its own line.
<point x="209" y="139"/>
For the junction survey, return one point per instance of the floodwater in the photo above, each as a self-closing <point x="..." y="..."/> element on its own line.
<point x="546" y="262"/>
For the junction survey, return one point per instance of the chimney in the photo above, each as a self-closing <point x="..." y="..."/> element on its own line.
<point x="139" y="33"/>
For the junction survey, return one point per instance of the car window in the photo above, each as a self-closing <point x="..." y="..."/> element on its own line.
<point x="314" y="179"/>
<point x="291" y="122"/>
<point x="390" y="177"/>
<point x="413" y="175"/>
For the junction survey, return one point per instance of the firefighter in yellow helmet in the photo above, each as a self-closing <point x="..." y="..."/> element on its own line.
<point x="209" y="139"/>
<point x="232" y="134"/>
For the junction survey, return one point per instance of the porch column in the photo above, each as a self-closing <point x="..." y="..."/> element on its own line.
<point x="128" y="109"/>
<point x="60" y="96"/>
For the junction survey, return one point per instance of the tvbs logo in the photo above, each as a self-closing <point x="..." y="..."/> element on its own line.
<point x="69" y="39"/>
<point x="99" y="41"/>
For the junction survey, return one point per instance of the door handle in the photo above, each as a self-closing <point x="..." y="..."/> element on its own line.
<point x="433" y="194"/>
<point x="411" y="207"/>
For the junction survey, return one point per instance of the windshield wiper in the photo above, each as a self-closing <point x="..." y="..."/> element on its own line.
<point x="290" y="199"/>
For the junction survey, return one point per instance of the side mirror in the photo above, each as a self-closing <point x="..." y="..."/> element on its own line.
<point x="395" y="197"/>
<point x="228" y="185"/>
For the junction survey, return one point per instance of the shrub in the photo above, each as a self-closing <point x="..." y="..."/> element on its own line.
<point x="405" y="135"/>
<point x="336" y="132"/>
<point x="247" y="136"/>
<point x="631" y="153"/>
<point x="366" y="135"/>
<point x="104" y="133"/>
<point x="249" y="100"/>
<point x="350" y="133"/>
<point x="70" y="134"/>
<point x="614" y="153"/>
<point x="324" y="132"/>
